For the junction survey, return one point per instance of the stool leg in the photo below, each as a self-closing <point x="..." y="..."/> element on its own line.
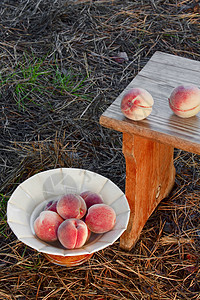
<point x="150" y="176"/>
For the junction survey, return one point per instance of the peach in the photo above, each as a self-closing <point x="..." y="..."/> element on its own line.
<point x="85" y="194"/>
<point x="46" y="225"/>
<point x="184" y="100"/>
<point x="51" y="205"/>
<point x="137" y="104"/>
<point x="71" y="206"/>
<point x="73" y="233"/>
<point x="100" y="218"/>
<point x="91" y="198"/>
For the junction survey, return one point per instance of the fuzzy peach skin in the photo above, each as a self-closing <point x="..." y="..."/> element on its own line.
<point x="184" y="101"/>
<point x="71" y="206"/>
<point x="100" y="218"/>
<point x="46" y="225"/>
<point x="51" y="205"/>
<point x="137" y="104"/>
<point x="91" y="198"/>
<point x="73" y="233"/>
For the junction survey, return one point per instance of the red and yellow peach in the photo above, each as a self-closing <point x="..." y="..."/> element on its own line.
<point x="91" y="198"/>
<point x="137" y="104"/>
<point x="51" y="205"/>
<point x="100" y="218"/>
<point x="46" y="225"/>
<point x="184" y="100"/>
<point x="73" y="233"/>
<point x="71" y="206"/>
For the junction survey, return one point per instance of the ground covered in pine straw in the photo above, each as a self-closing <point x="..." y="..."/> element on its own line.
<point x="58" y="73"/>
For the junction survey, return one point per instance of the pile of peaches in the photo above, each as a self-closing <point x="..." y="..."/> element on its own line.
<point x="72" y="218"/>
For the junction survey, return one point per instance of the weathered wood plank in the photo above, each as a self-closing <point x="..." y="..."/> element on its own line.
<point x="169" y="59"/>
<point x="161" y="74"/>
<point x="170" y="74"/>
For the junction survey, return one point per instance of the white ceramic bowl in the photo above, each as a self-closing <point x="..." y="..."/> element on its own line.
<point x="30" y="197"/>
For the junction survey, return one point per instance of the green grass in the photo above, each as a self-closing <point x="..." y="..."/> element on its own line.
<point x="36" y="80"/>
<point x="68" y="82"/>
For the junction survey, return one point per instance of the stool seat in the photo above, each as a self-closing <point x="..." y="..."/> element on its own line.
<point x="148" y="145"/>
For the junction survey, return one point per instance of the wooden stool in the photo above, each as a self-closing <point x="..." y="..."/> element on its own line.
<point x="148" y="145"/>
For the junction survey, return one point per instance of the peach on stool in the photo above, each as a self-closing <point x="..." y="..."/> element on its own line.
<point x="71" y="206"/>
<point x="73" y="233"/>
<point x="100" y="218"/>
<point x="46" y="225"/>
<point x="91" y="198"/>
<point x="137" y="104"/>
<point x="184" y="100"/>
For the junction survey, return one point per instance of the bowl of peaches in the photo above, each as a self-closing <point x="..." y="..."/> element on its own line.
<point x="68" y="214"/>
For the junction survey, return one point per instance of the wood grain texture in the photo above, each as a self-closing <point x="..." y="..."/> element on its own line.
<point x="161" y="74"/>
<point x="150" y="175"/>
